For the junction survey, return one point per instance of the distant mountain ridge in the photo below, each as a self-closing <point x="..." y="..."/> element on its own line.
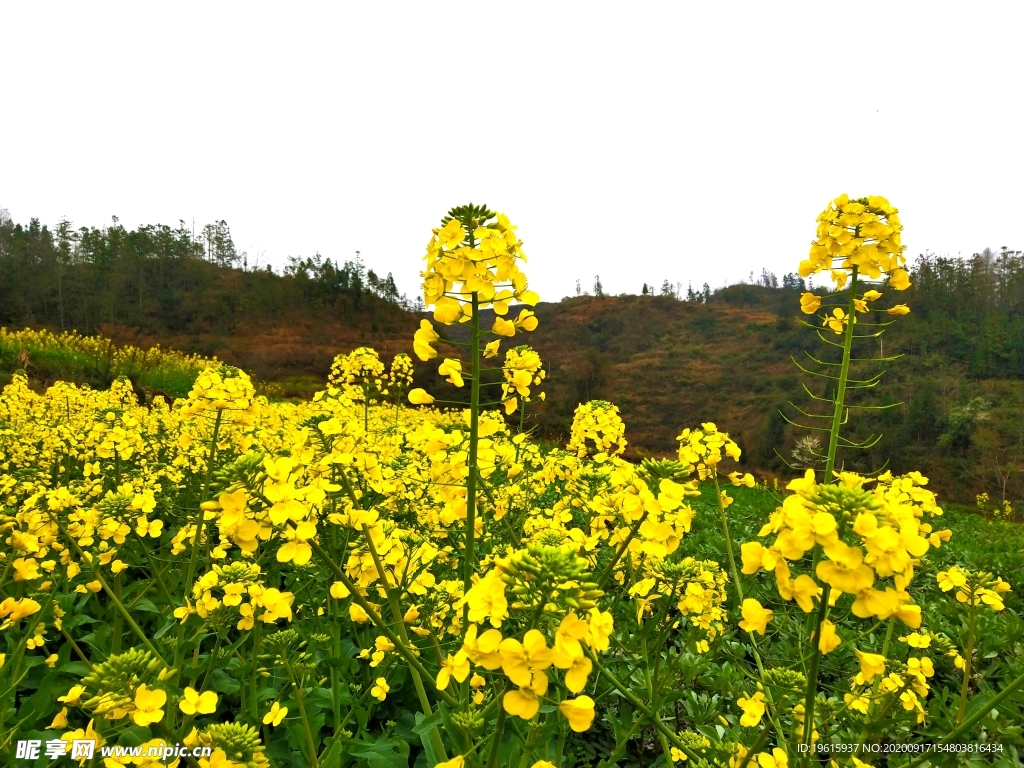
<point x="723" y="356"/>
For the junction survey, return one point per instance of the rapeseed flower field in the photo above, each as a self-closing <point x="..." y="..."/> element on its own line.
<point x="377" y="577"/>
<point x="69" y="355"/>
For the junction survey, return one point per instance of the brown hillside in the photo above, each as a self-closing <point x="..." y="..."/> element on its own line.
<point x="665" y="363"/>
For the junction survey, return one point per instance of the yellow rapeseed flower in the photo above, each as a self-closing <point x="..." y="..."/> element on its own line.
<point x="579" y="712"/>
<point x="830" y="639"/>
<point x="753" y="709"/>
<point x="755" y="616"/>
<point x="198" y="703"/>
<point x="809" y="303"/>
<point x="275" y="715"/>
<point x="419" y="396"/>
<point x="380" y="689"/>
<point x="148" y="705"/>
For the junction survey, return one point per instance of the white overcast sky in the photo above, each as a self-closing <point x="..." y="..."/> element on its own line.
<point x="638" y="141"/>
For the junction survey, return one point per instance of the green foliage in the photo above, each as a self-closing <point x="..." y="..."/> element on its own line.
<point x="96" y="361"/>
<point x="722" y="355"/>
<point x="158" y="279"/>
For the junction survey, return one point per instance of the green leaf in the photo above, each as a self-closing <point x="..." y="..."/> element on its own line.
<point x="145" y="604"/>
<point x="426" y="724"/>
<point x="223" y="682"/>
<point x="76" y="668"/>
<point x="384" y="754"/>
<point x="319" y="698"/>
<point x="422" y="728"/>
<point x="135" y="736"/>
<point x="171" y="622"/>
<point x="332" y="757"/>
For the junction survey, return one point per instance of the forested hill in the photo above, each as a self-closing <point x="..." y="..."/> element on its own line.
<point x="723" y="356"/>
<point x="958" y="380"/>
<point x="196" y="292"/>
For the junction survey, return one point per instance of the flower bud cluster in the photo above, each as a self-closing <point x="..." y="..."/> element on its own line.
<point x="597" y="431"/>
<point x="973" y="587"/>
<point x="361" y="369"/>
<point x="475" y="254"/>
<point x="225" y="389"/>
<point x="698" y="588"/>
<point x="233" y="744"/>
<point x="548" y="578"/>
<point x="400" y="374"/>
<point x="521" y="370"/>
<point x="702" y="449"/>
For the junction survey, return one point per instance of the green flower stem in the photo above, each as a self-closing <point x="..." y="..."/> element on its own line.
<point x="117" y="629"/>
<point x="349" y="490"/>
<point x="212" y="661"/>
<point x="474" y="439"/>
<point x="620" y="746"/>
<point x="655" y="705"/>
<point x="659" y="641"/>
<point x="110" y="593"/>
<point x="643" y="709"/>
<point x="499" y="727"/>
<point x="157" y="574"/>
<point x="610" y="568"/>
<point x="772" y="713"/>
<point x="401" y="647"/>
<point x="812" y="671"/>
<point x="967" y="661"/>
<point x="436" y="645"/>
<point x="560" y="747"/>
<point x="302" y="711"/>
<point x="761" y="739"/>
<point x="142" y="593"/>
<point x="531" y="743"/>
<point x="844" y="371"/>
<point x="728" y="539"/>
<point x="874" y="688"/>
<point x="352" y="709"/>
<point x="77" y="649"/>
<point x="179" y="651"/>
<point x="243" y="703"/>
<point x="335" y="675"/>
<point x="830" y="463"/>
<point x="3" y="577"/>
<point x="980" y="713"/>
<point x="254" y="712"/>
<point x="396" y="614"/>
